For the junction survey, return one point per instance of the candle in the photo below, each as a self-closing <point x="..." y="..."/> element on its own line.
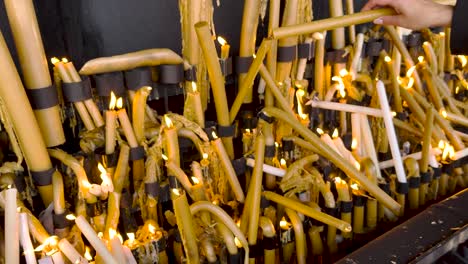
<point x="116" y="247"/>
<point x="338" y="34"/>
<point x="343" y="150"/>
<point x="70" y="252"/>
<point x="267" y="168"/>
<point x="368" y="142"/>
<point x="454" y="118"/>
<point x="301" y="65"/>
<point x="306" y="210"/>
<point x="89" y="103"/>
<point x="271" y="60"/>
<point x="138" y="112"/>
<point x="25" y="239"/>
<point x="344" y="197"/>
<point x="171" y="141"/>
<point x="11" y="227"/>
<point x="358" y="45"/>
<point x="417" y="155"/>
<point x="393" y="141"/>
<point x="125" y="124"/>
<point x="193" y="109"/>
<point x="216" y="79"/>
<point x="328" y="141"/>
<point x="358" y="210"/>
<point x="290" y="17"/>
<point x="351" y="30"/>
<point x="224" y="47"/>
<point x="301" y="247"/>
<point x="331" y="23"/>
<point x="426" y="145"/>
<point x="111" y="118"/>
<point x="33" y="62"/>
<point x="346" y="108"/>
<point x="431" y="56"/>
<point x="185" y="225"/>
<point x="395" y="85"/>
<point x="88" y="231"/>
<point x="227" y="167"/>
<point x="318" y="63"/>
<point x="356" y="145"/>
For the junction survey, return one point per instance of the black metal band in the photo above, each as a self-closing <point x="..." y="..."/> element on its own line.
<point x="137" y="153"/>
<point x="173" y="182"/>
<point x="255" y="251"/>
<point x="414" y="39"/>
<point x="331" y="211"/>
<point x="287" y="145"/>
<point x="437" y="172"/>
<point x="110" y="82"/>
<point x="336" y="56"/>
<point x="270" y="151"/>
<point x="414" y="182"/>
<point x="264" y="202"/>
<point x="137" y="78"/>
<point x="42" y="98"/>
<point x="270" y="243"/>
<point x="374" y="47"/>
<point x="171" y="73"/>
<point x="226" y="66"/>
<point x="346" y="207"/>
<point x="358" y="200"/>
<point x="76" y="91"/>
<point x="125" y="200"/>
<point x="191" y="74"/>
<point x="237" y="258"/>
<point x="239" y="166"/>
<point x="243" y="64"/>
<point x="164" y="193"/>
<point x="385" y="187"/>
<point x="287" y="54"/>
<point x="306" y="50"/>
<point x="226" y="131"/>
<point x="264" y="117"/>
<point x="95" y="209"/>
<point x="61" y="221"/>
<point x="177" y="236"/>
<point x="402" y="187"/>
<point x="42" y="178"/>
<point x="152" y="189"/>
<point x="403" y="116"/>
<point x="425" y="177"/>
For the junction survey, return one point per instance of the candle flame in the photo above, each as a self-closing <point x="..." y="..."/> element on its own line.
<point x="462" y="60"/>
<point x="101" y="169"/>
<point x="284" y="224"/>
<point x="213" y="134"/>
<point x="355" y="186"/>
<point x="247" y="130"/>
<point x="131" y="237"/>
<point x="283" y="162"/>
<point x="441" y="144"/>
<point x="442" y="34"/>
<point x="421" y="59"/>
<point x="119" y="103"/>
<point x="357" y="165"/>
<point x="237" y="242"/>
<point x="100" y="235"/>
<point x="176" y="192"/>
<point x="387" y="59"/>
<point x="300" y="109"/>
<point x="354" y="144"/>
<point x="168" y="121"/>
<point x="443" y="113"/>
<point x="164" y="157"/>
<point x="194" y="87"/>
<point x="343" y="72"/>
<point x="112" y="233"/>
<point x="238" y="222"/>
<point x="152" y="229"/>
<point x="113" y="101"/>
<point x="221" y="41"/>
<point x="320" y="131"/>
<point x="410" y="83"/>
<point x="205" y="155"/>
<point x="394" y="113"/>
<point x="338" y="180"/>
<point x="335" y="133"/>
<point x="452" y="153"/>
<point x="195" y="180"/>
<point x="64" y="60"/>
<point x="87" y="254"/>
<point x="410" y="71"/>
<point x="276" y="144"/>
<point x="120" y="238"/>
<point x="70" y="217"/>
<point x="317" y="35"/>
<point x="457" y="89"/>
<point x="341" y="86"/>
<point x="54" y="60"/>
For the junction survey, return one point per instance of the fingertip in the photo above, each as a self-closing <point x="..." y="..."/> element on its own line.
<point x="378" y="21"/>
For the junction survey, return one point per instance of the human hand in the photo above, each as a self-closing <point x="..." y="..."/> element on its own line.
<point x="413" y="14"/>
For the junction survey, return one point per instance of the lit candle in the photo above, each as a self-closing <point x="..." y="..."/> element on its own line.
<point x="116" y="247"/>
<point x="193" y="109"/>
<point x="138" y="112"/>
<point x="328" y="141"/>
<point x="25" y="239"/>
<point x="106" y="185"/>
<point x="393" y="141"/>
<point x="344" y="197"/>
<point x="224" y="47"/>
<point x="227" y="167"/>
<point x="171" y="141"/>
<point x="88" y="231"/>
<point x="11" y="227"/>
<point x="70" y="252"/>
<point x="343" y="150"/>
<point x="111" y="117"/>
<point x="356" y="145"/>
<point x="126" y="125"/>
<point x="454" y="118"/>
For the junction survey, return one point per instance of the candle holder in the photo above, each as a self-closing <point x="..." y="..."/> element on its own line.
<point x="107" y="83"/>
<point x="137" y="78"/>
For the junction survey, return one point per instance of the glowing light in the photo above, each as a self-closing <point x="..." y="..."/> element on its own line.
<point x="387" y="59"/>
<point x="421" y="59"/>
<point x="100" y="235"/>
<point x="354" y="144"/>
<point x="320" y="131"/>
<point x="457" y="89"/>
<point x="195" y="180"/>
<point x="393" y="113"/>
<point x="176" y="192"/>
<point x="194" y="87"/>
<point x="441" y="144"/>
<point x="443" y="113"/>
<point x="164" y="157"/>
<point x="131" y="237"/>
<point x="276" y="144"/>
<point x="101" y="168"/>
<point x="70" y="217"/>
<point x="112" y="233"/>
<point x="120" y="238"/>
<point x="238" y="243"/>
<point x="87" y="254"/>
<point x="221" y="41"/>
<point x="168" y="121"/>
<point x="299" y="94"/>
<point x="54" y="60"/>
<point x="410" y="83"/>
<point x="462" y="60"/>
<point x="284" y="224"/>
<point x="247" y="130"/>
<point x="338" y="180"/>
<point x="451" y="153"/>
<point x="205" y="155"/>
<point x="317" y="35"/>
<point x="64" y="60"/>
<point x="152" y="229"/>
<point x="343" y="72"/>
<point x="335" y="133"/>
<point x="354" y="186"/>
<point x="213" y="134"/>
<point x="410" y="71"/>
<point x="119" y="103"/>
<point x="283" y="162"/>
<point x="113" y="101"/>
<point x="357" y="165"/>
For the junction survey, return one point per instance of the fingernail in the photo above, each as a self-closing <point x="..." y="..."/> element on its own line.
<point x="378" y="21"/>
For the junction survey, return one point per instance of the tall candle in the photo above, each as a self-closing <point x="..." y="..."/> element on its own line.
<point x="11" y="227"/>
<point x="111" y="118"/>
<point x="116" y="247"/>
<point x="227" y="167"/>
<point x="126" y="125"/>
<point x="256" y="183"/>
<point x="346" y="108"/>
<point x="70" y="252"/>
<point x="224" y="47"/>
<point x="318" y="63"/>
<point x="356" y="144"/>
<point x="171" y="141"/>
<point x="283" y="69"/>
<point x="28" y="42"/>
<point x="368" y="142"/>
<point x="193" y="109"/>
<point x="392" y="139"/>
<point x="88" y="231"/>
<point x="138" y="112"/>
<point x="25" y="239"/>
<point x="338" y="34"/>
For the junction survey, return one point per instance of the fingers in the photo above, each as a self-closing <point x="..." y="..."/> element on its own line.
<point x="389" y="20"/>
<point x="372" y="4"/>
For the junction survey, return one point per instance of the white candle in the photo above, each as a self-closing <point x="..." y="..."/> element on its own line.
<point x="126" y="125"/>
<point x="267" y="168"/>
<point x="11" y="227"/>
<point x="116" y="247"/>
<point x="368" y="142"/>
<point x="111" y="117"/>
<point x="356" y="145"/>
<point x="94" y="240"/>
<point x="346" y="108"/>
<point x="345" y="153"/>
<point x="392" y="139"/>
<point x="328" y="140"/>
<point x="25" y="239"/>
<point x="460" y="154"/>
<point x="129" y="255"/>
<point x="417" y="156"/>
<point x="70" y="252"/>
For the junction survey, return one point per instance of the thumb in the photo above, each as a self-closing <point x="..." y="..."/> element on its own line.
<point x="389" y="20"/>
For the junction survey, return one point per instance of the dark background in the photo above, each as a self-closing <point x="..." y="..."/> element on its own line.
<point x="86" y="29"/>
